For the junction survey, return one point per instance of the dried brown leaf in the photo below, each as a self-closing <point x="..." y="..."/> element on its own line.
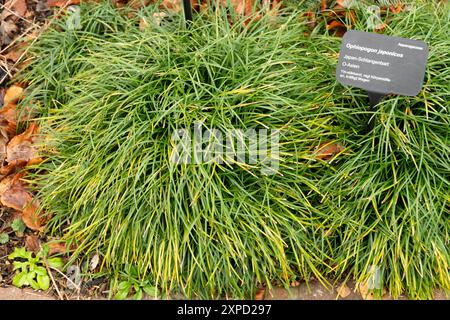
<point x="5" y="184"/>
<point x="366" y="293"/>
<point x="12" y="168"/>
<point x="20" y="7"/>
<point x="137" y="4"/>
<point x="13" y="94"/>
<point x="23" y="147"/>
<point x="119" y="3"/>
<point x="172" y="5"/>
<point x="260" y="293"/>
<point x="343" y="291"/>
<point x="327" y="150"/>
<point x="62" y="3"/>
<point x="311" y="19"/>
<point x="396" y="9"/>
<point x="6" y="10"/>
<point x="2" y="95"/>
<point x="335" y="24"/>
<point x="32" y="215"/>
<point x="8" y="30"/>
<point x="13" y="56"/>
<point x="13" y="193"/>
<point x="242" y="7"/>
<point x="32" y="243"/>
<point x="3" y="142"/>
<point x="381" y="27"/>
<point x="295" y="283"/>
<point x="55" y="247"/>
<point x="8" y="112"/>
<point x="15" y="52"/>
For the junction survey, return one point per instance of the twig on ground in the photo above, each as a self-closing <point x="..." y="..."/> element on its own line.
<point x="77" y="287"/>
<point x="53" y="280"/>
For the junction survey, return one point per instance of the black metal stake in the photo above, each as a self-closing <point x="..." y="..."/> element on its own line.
<point x="187" y="11"/>
<point x="374" y="99"/>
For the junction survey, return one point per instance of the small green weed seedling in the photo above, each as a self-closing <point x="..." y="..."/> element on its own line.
<point x="31" y="270"/>
<point x="138" y="287"/>
<point x="18" y="227"/>
<point x="132" y="285"/>
<point x="4" y="238"/>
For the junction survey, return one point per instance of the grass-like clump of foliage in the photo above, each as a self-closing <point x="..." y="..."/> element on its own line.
<point x="110" y="95"/>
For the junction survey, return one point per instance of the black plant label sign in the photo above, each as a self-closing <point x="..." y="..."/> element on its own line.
<point x="382" y="64"/>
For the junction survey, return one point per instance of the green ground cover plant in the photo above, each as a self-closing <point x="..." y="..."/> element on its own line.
<point x="32" y="269"/>
<point x="109" y="96"/>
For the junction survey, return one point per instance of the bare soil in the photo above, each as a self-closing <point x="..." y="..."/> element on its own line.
<point x="313" y="291"/>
